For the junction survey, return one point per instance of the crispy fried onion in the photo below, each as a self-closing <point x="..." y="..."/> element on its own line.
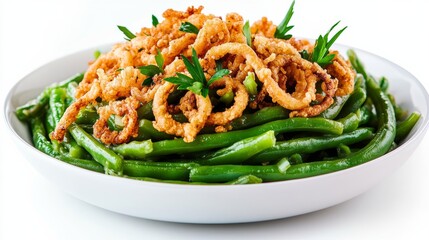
<point x="164" y="120"/>
<point x="106" y="87"/>
<point x="342" y="71"/>
<point x="303" y="76"/>
<point x="264" y="74"/>
<point x="283" y="77"/>
<point x="241" y="98"/>
<point x="119" y="57"/>
<point x="264" y="27"/>
<point x="126" y="108"/>
<point x="73" y="110"/>
<point x="214" y="32"/>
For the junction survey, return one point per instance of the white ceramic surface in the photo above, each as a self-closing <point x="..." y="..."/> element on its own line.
<point x="214" y="204"/>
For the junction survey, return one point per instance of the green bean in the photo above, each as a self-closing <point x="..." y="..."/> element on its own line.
<point x="225" y="173"/>
<point x="355" y="101"/>
<point x="36" y="107"/>
<point x="220" y="173"/>
<point x="134" y="149"/>
<point x="356" y="63"/>
<point x="241" y="150"/>
<point x="219" y="140"/>
<point x="364" y="115"/>
<point x="343" y="150"/>
<point x="49" y="121"/>
<point x="268" y="114"/>
<point x="138" y="168"/>
<point x="227" y="98"/>
<point x="379" y="145"/>
<point x="83" y="163"/>
<point x="309" y="145"/>
<point x="400" y="113"/>
<point x="103" y="155"/>
<point x="175" y="96"/>
<point x="147" y="131"/>
<point x="74" y="149"/>
<point x="135" y="169"/>
<point x="50" y="124"/>
<point x="39" y="137"/>
<point x="404" y="128"/>
<point x="71" y="91"/>
<point x="259" y="117"/>
<point x="145" y="111"/>
<point x="162" y="164"/>
<point x="350" y="122"/>
<point x="87" y="116"/>
<point x="384" y="84"/>
<point x="57" y="104"/>
<point x="372" y="121"/>
<point x="332" y="111"/>
<point x="295" y="159"/>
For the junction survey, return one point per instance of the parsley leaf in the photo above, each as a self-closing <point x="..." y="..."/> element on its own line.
<point x="197" y="83"/>
<point x="189" y="28"/>
<point x="247" y="34"/>
<point x="283" y="27"/>
<point x="155" y="21"/>
<point x="320" y="54"/>
<point x="152" y="70"/>
<point x="218" y="75"/>
<point x="129" y="35"/>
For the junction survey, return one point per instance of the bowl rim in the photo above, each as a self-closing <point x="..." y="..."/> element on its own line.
<point x="422" y="127"/>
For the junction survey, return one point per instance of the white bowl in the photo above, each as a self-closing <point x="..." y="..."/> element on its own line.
<point x="214" y="204"/>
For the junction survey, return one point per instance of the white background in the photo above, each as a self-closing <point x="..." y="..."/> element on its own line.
<point x="35" y="32"/>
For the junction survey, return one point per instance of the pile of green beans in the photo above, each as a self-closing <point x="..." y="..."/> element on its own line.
<point x="263" y="146"/>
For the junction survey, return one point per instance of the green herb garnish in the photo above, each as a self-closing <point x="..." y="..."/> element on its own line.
<point x="155" y="21"/>
<point x="152" y="70"/>
<point x="159" y="59"/>
<point x="97" y="54"/>
<point x="247" y="34"/>
<point x="283" y="27"/>
<point x="189" y="28"/>
<point x="129" y="35"/>
<point x="197" y="83"/>
<point x="320" y="54"/>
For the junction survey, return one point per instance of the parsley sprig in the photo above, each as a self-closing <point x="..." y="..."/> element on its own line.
<point x="152" y="70"/>
<point x="283" y="28"/>
<point x="197" y="83"/>
<point x="129" y="35"/>
<point x="189" y="28"/>
<point x="320" y="54"/>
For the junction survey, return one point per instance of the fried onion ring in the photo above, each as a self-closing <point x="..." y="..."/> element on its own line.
<point x="264" y="74"/>
<point x="214" y="32"/>
<point x="164" y="121"/>
<point x="119" y="57"/>
<point x="126" y="108"/>
<point x="241" y="98"/>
